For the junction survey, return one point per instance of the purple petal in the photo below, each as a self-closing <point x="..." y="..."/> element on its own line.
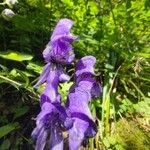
<point x="36" y="131"/>
<point x="70" y="58"/>
<point x="83" y="128"/>
<point x="41" y="119"/>
<point x="59" y="49"/>
<point x="85" y="65"/>
<point x="62" y="28"/>
<point x="80" y="94"/>
<point x="43" y="75"/>
<point x="96" y="90"/>
<point x="51" y="89"/>
<point x="69" y="38"/>
<point x="84" y="72"/>
<point x="56" y="139"/>
<point x="79" y="99"/>
<point x="63" y="77"/>
<point x="61" y="52"/>
<point x="41" y="140"/>
<point x="91" y="86"/>
<point x="44" y="98"/>
<point x="64" y="116"/>
<point x="56" y="75"/>
<point x="48" y="119"/>
<point x="91" y="128"/>
<point x="78" y="106"/>
<point x="46" y="53"/>
<point x="46" y="115"/>
<point x="76" y="134"/>
<point x="48" y="109"/>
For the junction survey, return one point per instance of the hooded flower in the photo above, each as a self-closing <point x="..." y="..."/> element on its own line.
<point x="85" y="66"/>
<point x="78" y="99"/>
<point x="48" y="125"/>
<point x="52" y="74"/>
<point x="53" y="116"/>
<point x="59" y="49"/>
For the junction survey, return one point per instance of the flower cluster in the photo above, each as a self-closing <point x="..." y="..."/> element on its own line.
<point x="75" y="116"/>
<point x="78" y="99"/>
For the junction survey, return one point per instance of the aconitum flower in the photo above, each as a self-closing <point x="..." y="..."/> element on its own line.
<point x="59" y="49"/>
<point x="53" y="74"/>
<point x="48" y="125"/>
<point x="78" y="99"/>
<point x="53" y="116"/>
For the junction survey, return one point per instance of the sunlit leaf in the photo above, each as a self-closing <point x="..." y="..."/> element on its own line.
<point x="16" y="56"/>
<point x="35" y="67"/>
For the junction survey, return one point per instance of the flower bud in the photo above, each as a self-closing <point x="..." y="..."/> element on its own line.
<point x="11" y="3"/>
<point x="7" y="14"/>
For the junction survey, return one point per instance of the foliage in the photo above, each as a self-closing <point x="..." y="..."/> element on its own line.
<point x="116" y="32"/>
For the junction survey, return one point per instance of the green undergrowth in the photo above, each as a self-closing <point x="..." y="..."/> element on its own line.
<point x="127" y="135"/>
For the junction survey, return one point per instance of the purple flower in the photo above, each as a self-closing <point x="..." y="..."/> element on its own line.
<point x="52" y="72"/>
<point x="53" y="116"/>
<point x="59" y="49"/>
<point x="78" y="99"/>
<point x="48" y="125"/>
<point x="85" y="66"/>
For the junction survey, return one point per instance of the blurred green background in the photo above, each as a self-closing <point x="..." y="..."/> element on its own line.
<point x="116" y="32"/>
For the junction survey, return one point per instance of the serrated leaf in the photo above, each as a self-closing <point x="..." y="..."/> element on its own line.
<point x="4" y="130"/>
<point x="15" y="56"/>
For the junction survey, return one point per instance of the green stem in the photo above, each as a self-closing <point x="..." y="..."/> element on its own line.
<point x="139" y="91"/>
<point x="3" y="3"/>
<point x="9" y="80"/>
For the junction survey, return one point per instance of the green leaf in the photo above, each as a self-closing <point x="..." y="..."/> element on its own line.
<point x="112" y="140"/>
<point x="16" y="56"/>
<point x="106" y="142"/>
<point x="21" y="111"/>
<point x="93" y="8"/>
<point x="5" y="145"/>
<point x="35" y="67"/>
<point x="4" y="130"/>
<point x="145" y="55"/>
<point x="24" y="77"/>
<point x="119" y="147"/>
<point x="68" y="2"/>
